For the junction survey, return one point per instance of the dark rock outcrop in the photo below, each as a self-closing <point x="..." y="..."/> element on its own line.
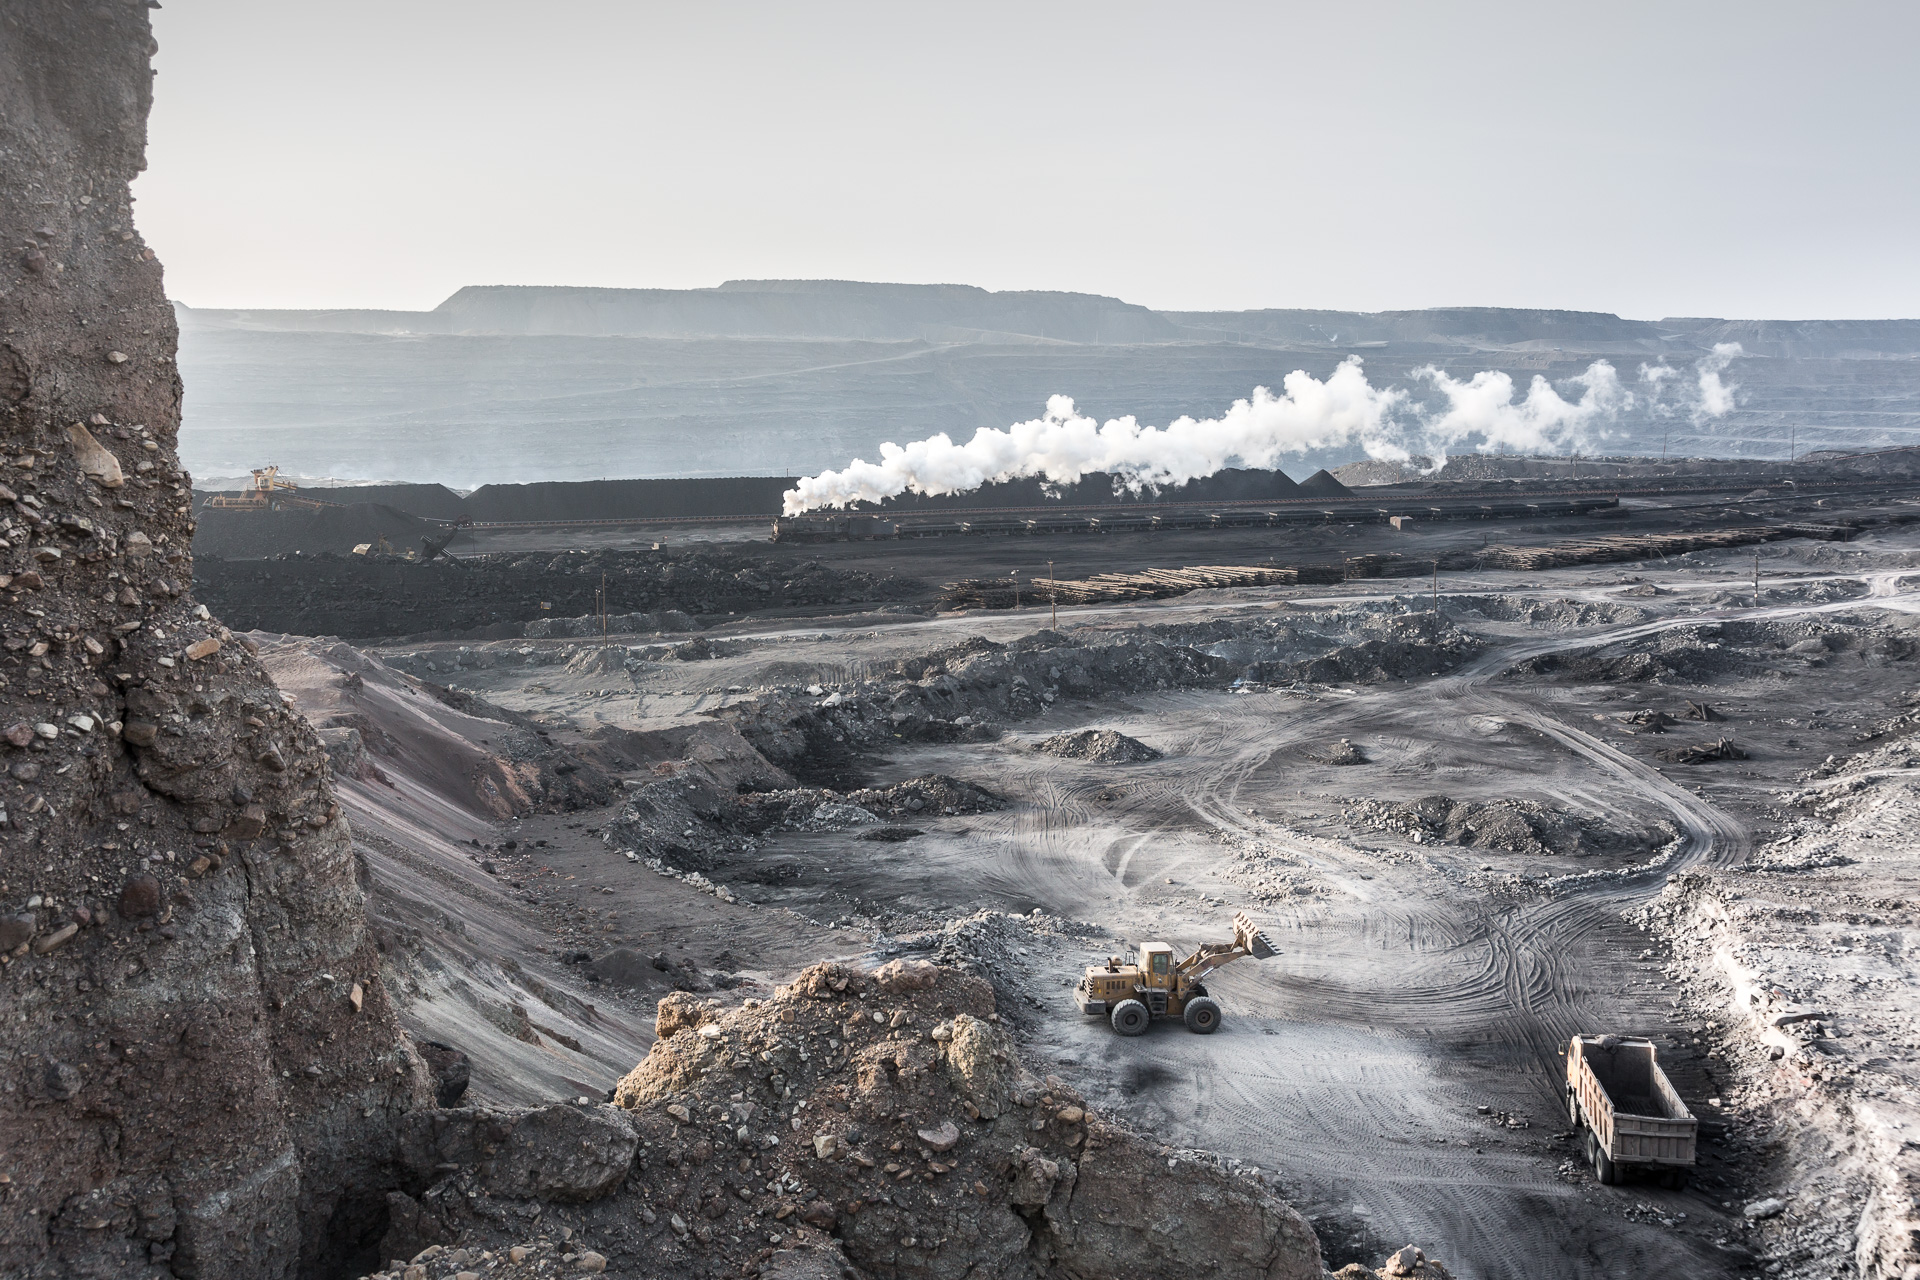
<point x="202" y="1067"/>
<point x="560" y="1152"/>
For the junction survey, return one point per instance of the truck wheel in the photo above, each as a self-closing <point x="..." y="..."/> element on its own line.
<point x="1203" y="1016"/>
<point x="1604" y="1172"/>
<point x="1674" y="1179"/>
<point x="1130" y="1017"/>
<point x="1573" y="1106"/>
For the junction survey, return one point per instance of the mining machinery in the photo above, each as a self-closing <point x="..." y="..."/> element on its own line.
<point x="268" y="492"/>
<point x="1131" y="996"/>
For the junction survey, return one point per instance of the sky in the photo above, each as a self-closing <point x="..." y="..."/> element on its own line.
<point x="1650" y="159"/>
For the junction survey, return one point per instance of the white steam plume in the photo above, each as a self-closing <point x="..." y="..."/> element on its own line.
<point x="1655" y="376"/>
<point x="1484" y="406"/>
<point x="1716" y="397"/>
<point x="1063" y="445"/>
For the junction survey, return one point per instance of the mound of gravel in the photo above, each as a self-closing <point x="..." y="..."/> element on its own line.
<point x="1508" y="826"/>
<point x="1341" y="752"/>
<point x="1104" y="746"/>
<point x="821" y="809"/>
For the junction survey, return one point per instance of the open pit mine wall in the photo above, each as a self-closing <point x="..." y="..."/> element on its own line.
<point x="200" y="1064"/>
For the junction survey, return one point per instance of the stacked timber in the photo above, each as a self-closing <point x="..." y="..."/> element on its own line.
<point x="1624" y="546"/>
<point x="1154" y="584"/>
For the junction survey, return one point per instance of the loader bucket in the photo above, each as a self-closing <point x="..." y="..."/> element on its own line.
<point x="1247" y="935"/>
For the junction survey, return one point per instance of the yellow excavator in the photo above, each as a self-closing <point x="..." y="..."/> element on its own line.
<point x="1131" y="996"/>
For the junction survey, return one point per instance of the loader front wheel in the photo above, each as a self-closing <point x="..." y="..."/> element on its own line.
<point x="1203" y="1016"/>
<point x="1130" y="1017"/>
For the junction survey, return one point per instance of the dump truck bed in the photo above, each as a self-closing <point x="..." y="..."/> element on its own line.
<point x="1623" y="1096"/>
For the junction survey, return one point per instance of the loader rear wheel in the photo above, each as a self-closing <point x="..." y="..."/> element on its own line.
<point x="1130" y="1017"/>
<point x="1203" y="1016"/>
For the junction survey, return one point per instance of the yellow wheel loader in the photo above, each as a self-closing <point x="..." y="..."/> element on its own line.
<point x="1131" y="996"/>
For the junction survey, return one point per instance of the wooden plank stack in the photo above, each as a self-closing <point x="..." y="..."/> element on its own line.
<point x="1154" y="584"/>
<point x="1623" y="546"/>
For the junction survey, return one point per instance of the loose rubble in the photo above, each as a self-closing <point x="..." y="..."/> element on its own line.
<point x="1409" y="1263"/>
<point x="1510" y="826"/>
<point x="1103" y="746"/>
<point x="857" y="1123"/>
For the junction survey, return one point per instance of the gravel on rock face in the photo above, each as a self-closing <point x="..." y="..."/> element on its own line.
<point x="1102" y="745"/>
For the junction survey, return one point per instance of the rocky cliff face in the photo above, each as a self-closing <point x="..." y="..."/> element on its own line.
<point x="199" y="1067"/>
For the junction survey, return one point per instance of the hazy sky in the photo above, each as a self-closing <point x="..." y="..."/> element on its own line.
<point x="1652" y="159"/>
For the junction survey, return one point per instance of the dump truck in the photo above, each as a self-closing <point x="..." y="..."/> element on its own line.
<point x="1631" y="1115"/>
<point x="1131" y="996"/>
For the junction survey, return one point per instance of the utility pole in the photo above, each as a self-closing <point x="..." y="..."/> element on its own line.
<point x="1436" y="586"/>
<point x="1053" y="596"/>
<point x="1016" y="588"/>
<point x="1666" y="429"/>
<point x="1756" y="577"/>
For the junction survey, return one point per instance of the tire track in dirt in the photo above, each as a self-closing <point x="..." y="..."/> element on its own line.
<point x="1500" y="978"/>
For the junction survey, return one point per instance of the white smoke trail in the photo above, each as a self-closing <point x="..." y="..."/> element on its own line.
<point x="1063" y="445"/>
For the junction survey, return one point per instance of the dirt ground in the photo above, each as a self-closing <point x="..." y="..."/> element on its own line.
<point x="1399" y="1066"/>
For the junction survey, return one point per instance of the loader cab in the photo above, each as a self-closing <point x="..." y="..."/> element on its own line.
<point x="1156" y="965"/>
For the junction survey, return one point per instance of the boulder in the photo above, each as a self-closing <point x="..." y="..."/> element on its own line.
<point x="1132" y="1220"/>
<point x="678" y="1011"/>
<point x="978" y="1054"/>
<point x="897" y="977"/>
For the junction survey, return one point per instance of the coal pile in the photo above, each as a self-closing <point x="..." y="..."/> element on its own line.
<point x="1102" y="746"/>
<point x="257" y="534"/>
<point x="628" y="499"/>
<point x="500" y="595"/>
